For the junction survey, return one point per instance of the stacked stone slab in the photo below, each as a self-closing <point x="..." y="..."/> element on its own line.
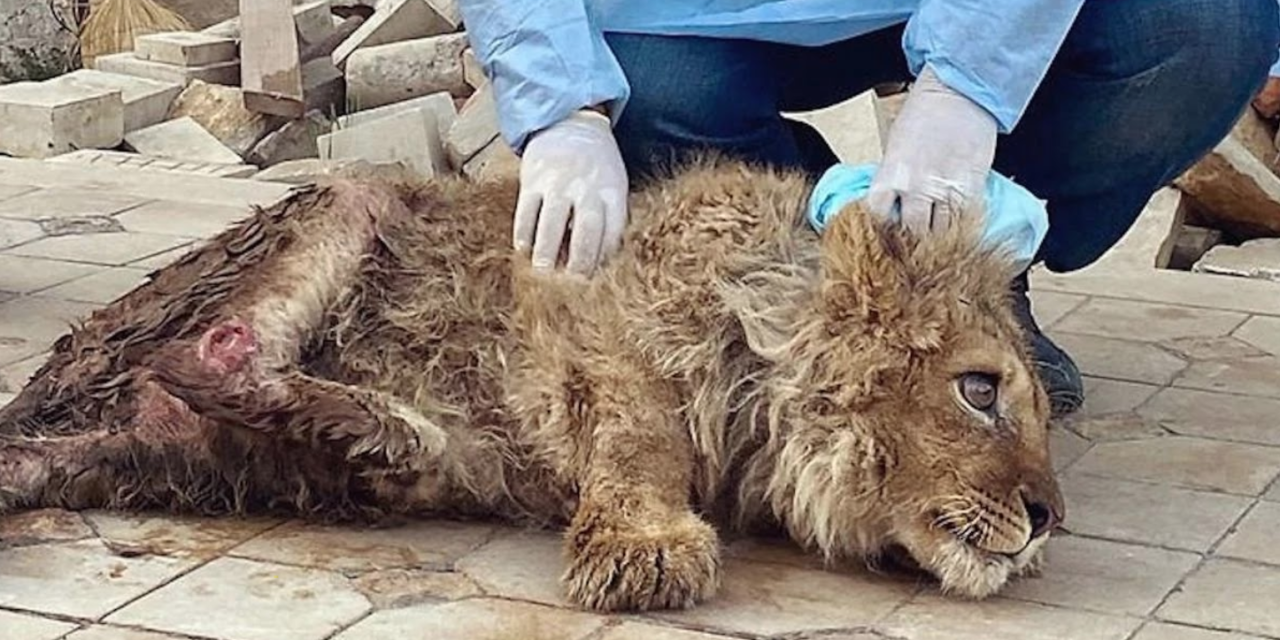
<point x="178" y="57"/>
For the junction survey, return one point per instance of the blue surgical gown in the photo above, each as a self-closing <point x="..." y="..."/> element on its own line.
<point x="547" y="58"/>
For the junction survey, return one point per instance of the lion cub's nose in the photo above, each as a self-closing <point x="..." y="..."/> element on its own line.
<point x="1043" y="517"/>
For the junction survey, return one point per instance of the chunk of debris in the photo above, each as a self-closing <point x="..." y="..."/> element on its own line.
<point x="1149" y="242"/>
<point x="851" y="128"/>
<point x="441" y="104"/>
<point x="1258" y="259"/>
<point x="472" y="70"/>
<point x="125" y="160"/>
<point x="310" y="170"/>
<point x="411" y="136"/>
<point x="390" y="73"/>
<point x="226" y="73"/>
<point x="395" y="21"/>
<point x="1234" y="190"/>
<point x="473" y="130"/>
<point x="1258" y="136"/>
<point x="270" y="68"/>
<point x="496" y="161"/>
<point x="313" y="21"/>
<point x="220" y="110"/>
<point x="1190" y="244"/>
<point x="43" y="119"/>
<point x="185" y="48"/>
<point x="146" y="102"/>
<point x="294" y="141"/>
<point x="180" y="139"/>
<point x="323" y="86"/>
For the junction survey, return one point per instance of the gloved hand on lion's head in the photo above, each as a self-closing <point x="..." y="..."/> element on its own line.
<point x="366" y="348"/>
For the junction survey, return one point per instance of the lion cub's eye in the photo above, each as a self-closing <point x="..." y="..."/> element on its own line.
<point x="979" y="390"/>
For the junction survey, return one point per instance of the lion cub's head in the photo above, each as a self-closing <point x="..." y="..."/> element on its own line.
<point x="903" y="409"/>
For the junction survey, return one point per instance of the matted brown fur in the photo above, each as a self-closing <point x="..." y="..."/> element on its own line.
<point x="366" y="348"/>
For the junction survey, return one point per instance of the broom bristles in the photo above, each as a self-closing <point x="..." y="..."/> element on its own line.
<point x="112" y="26"/>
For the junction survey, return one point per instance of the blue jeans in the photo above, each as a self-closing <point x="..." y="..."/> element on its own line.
<point x="1140" y="90"/>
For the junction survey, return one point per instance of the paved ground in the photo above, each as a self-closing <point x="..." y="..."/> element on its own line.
<point x="1171" y="477"/>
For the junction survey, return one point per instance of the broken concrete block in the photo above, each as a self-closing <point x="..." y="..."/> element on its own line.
<point x="409" y="136"/>
<point x="221" y="111"/>
<point x="1191" y="244"/>
<point x="1258" y="136"/>
<point x="145" y="101"/>
<point x="229" y="28"/>
<point x="1258" y="259"/>
<point x="124" y="160"/>
<point x="851" y="128"/>
<point x="472" y="71"/>
<point x="185" y="48"/>
<point x="43" y="119"/>
<point x="294" y="141"/>
<point x="180" y="139"/>
<point x="394" y="21"/>
<point x="323" y="86"/>
<point x="496" y="161"/>
<point x="448" y="11"/>
<point x="441" y="104"/>
<point x="310" y="19"/>
<point x="1149" y="241"/>
<point x="393" y="72"/>
<point x="475" y="127"/>
<point x="314" y="21"/>
<point x="227" y="73"/>
<point x="1235" y="190"/>
<point x="310" y="170"/>
<point x="887" y="110"/>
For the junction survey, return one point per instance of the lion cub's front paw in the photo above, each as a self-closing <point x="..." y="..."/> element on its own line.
<point x="669" y="564"/>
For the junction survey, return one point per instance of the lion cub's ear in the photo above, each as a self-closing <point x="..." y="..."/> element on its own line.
<point x="770" y="305"/>
<point x="864" y="277"/>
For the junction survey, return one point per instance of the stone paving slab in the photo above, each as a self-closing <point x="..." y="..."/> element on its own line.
<point x="235" y="599"/>
<point x="1171" y="473"/>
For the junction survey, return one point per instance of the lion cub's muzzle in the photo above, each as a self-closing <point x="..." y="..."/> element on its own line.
<point x="1005" y="525"/>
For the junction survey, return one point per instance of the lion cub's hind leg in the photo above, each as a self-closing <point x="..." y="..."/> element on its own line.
<point x="246" y="368"/>
<point x="635" y="543"/>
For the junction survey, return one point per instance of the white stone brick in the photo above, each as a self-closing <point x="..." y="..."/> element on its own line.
<point x="220" y="110"/>
<point x="402" y="70"/>
<point x="439" y="103"/>
<point x="472" y="71"/>
<point x="38" y="120"/>
<point x="296" y="140"/>
<point x="851" y="128"/>
<point x="394" y="21"/>
<point x="145" y="101"/>
<point x="314" y="21"/>
<point x="181" y="139"/>
<point x="496" y="161"/>
<point x="185" y="48"/>
<point x="323" y="85"/>
<point x="227" y="73"/>
<point x="1258" y="259"/>
<point x="409" y="136"/>
<point x="125" y="160"/>
<point x="473" y="130"/>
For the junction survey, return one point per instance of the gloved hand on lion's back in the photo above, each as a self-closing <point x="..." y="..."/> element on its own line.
<point x="1088" y="105"/>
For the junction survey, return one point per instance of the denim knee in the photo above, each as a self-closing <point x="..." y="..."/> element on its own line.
<point x="695" y="94"/>
<point x="1140" y="91"/>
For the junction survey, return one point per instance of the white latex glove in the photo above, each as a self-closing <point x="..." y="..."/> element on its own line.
<point x="572" y="179"/>
<point x="937" y="157"/>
